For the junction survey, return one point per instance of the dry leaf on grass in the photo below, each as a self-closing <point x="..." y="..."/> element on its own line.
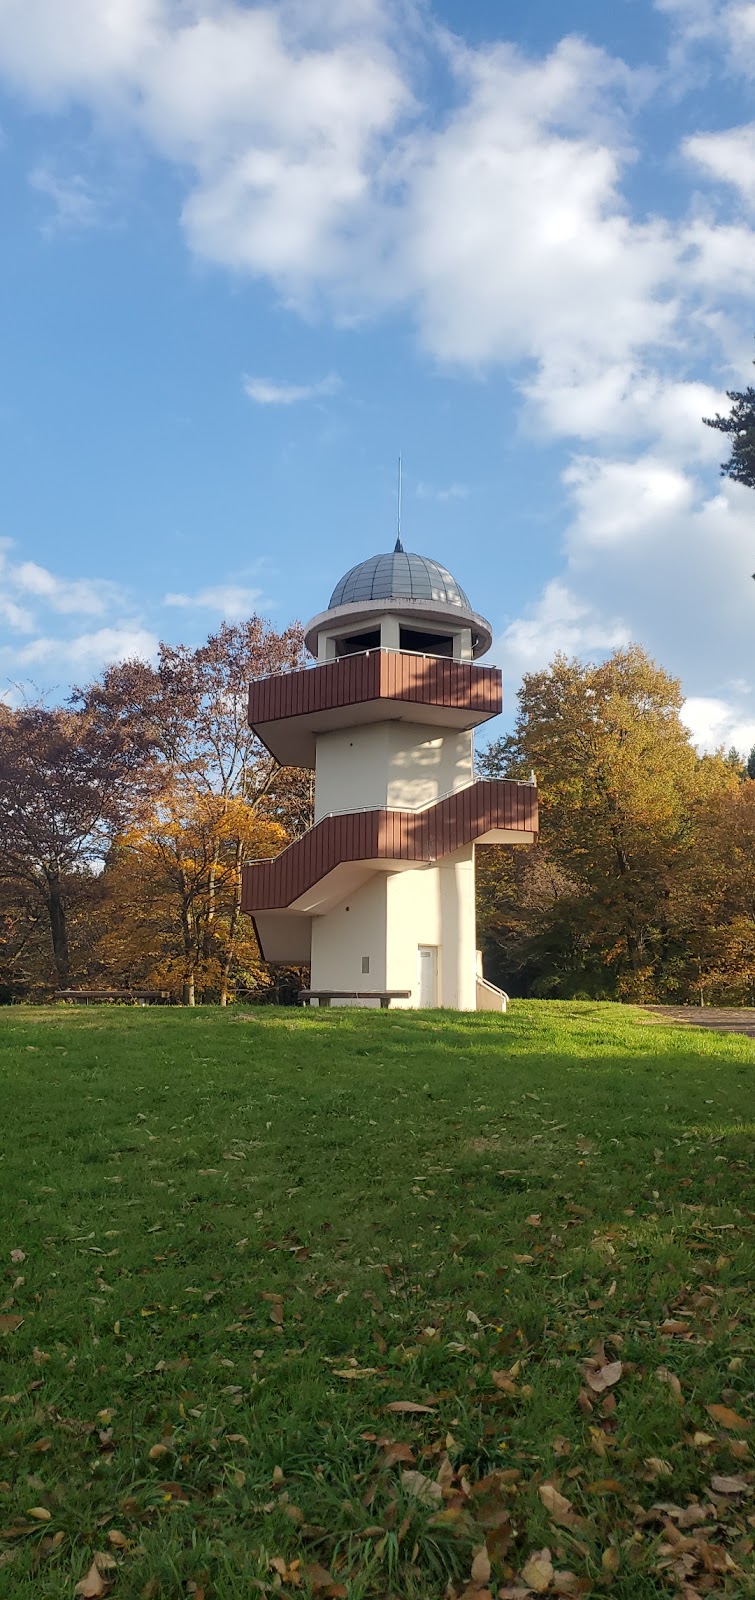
<point x="354" y="1372"/>
<point x="422" y="1488"/>
<point x="538" y="1571"/>
<point x="93" y="1585"/>
<point x="157" y="1452"/>
<point x="9" y="1323"/>
<point x="18" y="1257"/>
<point x="408" y="1406"/>
<point x="724" y="1485"/>
<point x="39" y="1513"/>
<point x="556" y="1505"/>
<point x="601" y="1378"/>
<point x="728" y="1418"/>
<point x="480" y="1565"/>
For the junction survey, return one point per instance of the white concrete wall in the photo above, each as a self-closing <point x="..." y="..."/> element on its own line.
<point x="434" y="905"/>
<point x="401" y="765"/>
<point x="388" y="918"/>
<point x="355" y="928"/>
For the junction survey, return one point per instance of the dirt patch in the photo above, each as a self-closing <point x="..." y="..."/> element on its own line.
<point x="723" y="1019"/>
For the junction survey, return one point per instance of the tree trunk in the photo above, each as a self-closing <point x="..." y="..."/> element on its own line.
<point x="187" y="927"/>
<point x="233" y="923"/>
<point x="56" y="910"/>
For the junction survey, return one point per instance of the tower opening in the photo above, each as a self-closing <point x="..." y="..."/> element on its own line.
<point x="426" y="644"/>
<point x="356" y="643"/>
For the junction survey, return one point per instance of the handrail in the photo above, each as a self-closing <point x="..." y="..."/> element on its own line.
<point x="388" y="649"/>
<point x="411" y="811"/>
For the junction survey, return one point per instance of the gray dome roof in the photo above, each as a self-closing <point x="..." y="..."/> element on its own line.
<point x="399" y="576"/>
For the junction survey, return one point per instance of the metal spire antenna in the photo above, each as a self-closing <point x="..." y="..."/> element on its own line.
<point x="398" y="547"/>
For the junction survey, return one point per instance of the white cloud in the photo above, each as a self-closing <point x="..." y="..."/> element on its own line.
<point x="560" y="621"/>
<point x="718" y="724"/>
<point x="80" y="596"/>
<point x="231" y="601"/>
<point x="272" y="392"/>
<point x="729" y="157"/>
<point x="74" y="204"/>
<point x="84" y="652"/>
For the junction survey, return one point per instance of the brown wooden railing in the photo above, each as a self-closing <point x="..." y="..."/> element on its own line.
<point x="384" y="835"/>
<point x="376" y="675"/>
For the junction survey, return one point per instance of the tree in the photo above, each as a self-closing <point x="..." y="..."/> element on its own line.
<point x="740" y="426"/>
<point x="172" y="881"/>
<point x="618" y="781"/>
<point x="219" y="782"/>
<point x="67" y="785"/>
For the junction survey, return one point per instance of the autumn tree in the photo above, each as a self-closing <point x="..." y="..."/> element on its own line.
<point x="617" y="775"/>
<point x="219" y="783"/>
<point x="739" y="425"/>
<point x="67" y="785"/>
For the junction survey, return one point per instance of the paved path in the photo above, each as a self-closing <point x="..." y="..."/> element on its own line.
<point x="725" y="1019"/>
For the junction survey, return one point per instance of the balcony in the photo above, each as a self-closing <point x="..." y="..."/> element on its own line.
<point x="288" y="710"/>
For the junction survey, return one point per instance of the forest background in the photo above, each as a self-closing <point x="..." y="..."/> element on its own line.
<point x="129" y="812"/>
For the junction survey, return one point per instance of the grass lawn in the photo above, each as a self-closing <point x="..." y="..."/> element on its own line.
<point x="238" y="1248"/>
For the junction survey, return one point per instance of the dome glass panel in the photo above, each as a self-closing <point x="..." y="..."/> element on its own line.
<point x="399" y="575"/>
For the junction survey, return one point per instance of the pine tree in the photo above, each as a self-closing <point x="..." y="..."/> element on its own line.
<point x="740" y="424"/>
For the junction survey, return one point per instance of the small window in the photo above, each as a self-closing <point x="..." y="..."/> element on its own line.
<point x="365" y="963"/>
<point x="356" y="643"/>
<point x="429" y="644"/>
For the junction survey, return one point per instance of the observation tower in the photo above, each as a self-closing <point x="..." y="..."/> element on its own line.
<point x="378" y="898"/>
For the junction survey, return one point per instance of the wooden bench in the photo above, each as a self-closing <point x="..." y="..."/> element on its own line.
<point x="99" y="997"/>
<point x="324" y="996"/>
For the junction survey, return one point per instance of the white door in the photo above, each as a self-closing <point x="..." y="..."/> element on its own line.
<point x="427" y="958"/>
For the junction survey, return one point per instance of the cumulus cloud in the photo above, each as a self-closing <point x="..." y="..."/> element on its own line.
<point x="273" y="392"/>
<point x="86" y="651"/>
<point x="719" y="724"/>
<point x="36" y="604"/>
<point x="231" y="601"/>
<point x="560" y="622"/>
<point x="728" y="157"/>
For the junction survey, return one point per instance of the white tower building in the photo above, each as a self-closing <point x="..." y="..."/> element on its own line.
<point x="379" y="896"/>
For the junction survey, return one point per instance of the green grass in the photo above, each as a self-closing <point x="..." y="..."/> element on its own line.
<point x="433" y="1197"/>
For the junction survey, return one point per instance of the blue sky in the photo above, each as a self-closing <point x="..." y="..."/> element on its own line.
<point x="249" y="252"/>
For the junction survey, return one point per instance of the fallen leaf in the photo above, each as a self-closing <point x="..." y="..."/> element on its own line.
<point x="604" y="1377"/>
<point x="672" y="1327"/>
<point x="670" y="1378"/>
<point x="276" y="1313"/>
<point x="480" y="1565"/>
<point x="17" y="1257"/>
<point x="318" y="1577"/>
<point x="422" y="1488"/>
<point x="157" y="1452"/>
<point x="9" y="1324"/>
<point x="396" y="1451"/>
<point x="556" y="1505"/>
<point x="566" y="1583"/>
<point x="724" y="1485"/>
<point x="408" y="1406"/>
<point x="659" y="1468"/>
<point x="118" y="1539"/>
<point x="728" y="1418"/>
<point x="534" y="1220"/>
<point x="538" y="1571"/>
<point x="610" y="1559"/>
<point x="354" y="1372"/>
<point x="93" y="1585"/>
<point x="40" y="1513"/>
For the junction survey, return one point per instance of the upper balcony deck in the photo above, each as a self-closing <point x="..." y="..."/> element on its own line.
<point x="289" y="709"/>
